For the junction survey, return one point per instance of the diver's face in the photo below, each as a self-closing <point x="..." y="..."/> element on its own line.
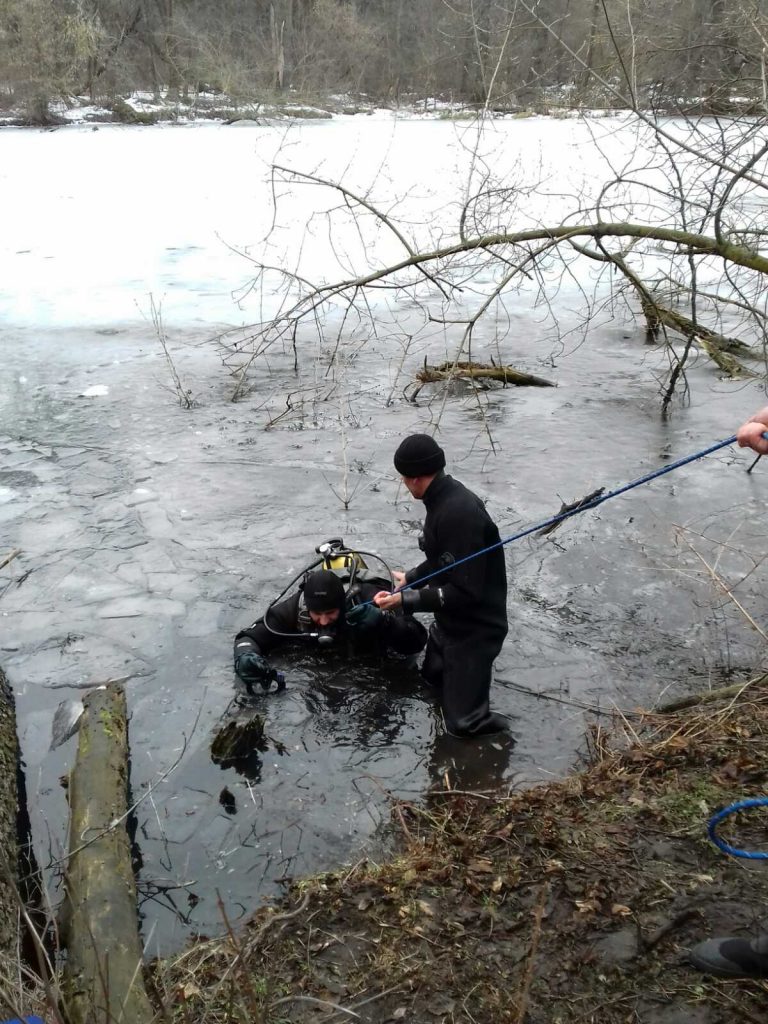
<point x="325" y="618"/>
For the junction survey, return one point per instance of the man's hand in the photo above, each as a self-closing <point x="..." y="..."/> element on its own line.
<point x="254" y="668"/>
<point x="750" y="434"/>
<point x="387" y="601"/>
<point x="363" y="616"/>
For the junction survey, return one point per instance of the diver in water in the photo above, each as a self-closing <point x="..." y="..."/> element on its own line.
<point x="331" y="608"/>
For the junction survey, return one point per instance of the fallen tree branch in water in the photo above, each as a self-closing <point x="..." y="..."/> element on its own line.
<point x="476" y="371"/>
<point x="657" y="317"/>
<point x="695" y="699"/>
<point x="10" y="557"/>
<point x="582" y="502"/>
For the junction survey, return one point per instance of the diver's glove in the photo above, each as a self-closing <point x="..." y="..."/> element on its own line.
<point x="254" y="668"/>
<point x="363" y="616"/>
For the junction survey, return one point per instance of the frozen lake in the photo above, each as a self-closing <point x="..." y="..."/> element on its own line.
<point x="150" y="533"/>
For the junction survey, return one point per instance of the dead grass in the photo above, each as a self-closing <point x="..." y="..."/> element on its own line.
<point x="568" y="903"/>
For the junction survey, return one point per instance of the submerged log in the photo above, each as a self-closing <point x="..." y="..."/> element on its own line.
<point x="478" y="371"/>
<point x="9" y="809"/>
<point x="103" y="981"/>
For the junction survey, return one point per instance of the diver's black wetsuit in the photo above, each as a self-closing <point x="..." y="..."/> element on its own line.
<point x="469" y="604"/>
<point x="393" y="633"/>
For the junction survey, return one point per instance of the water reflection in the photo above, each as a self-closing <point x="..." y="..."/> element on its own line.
<point x="472" y="765"/>
<point x="365" y="706"/>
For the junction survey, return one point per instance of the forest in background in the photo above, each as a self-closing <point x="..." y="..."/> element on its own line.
<point x="694" y="55"/>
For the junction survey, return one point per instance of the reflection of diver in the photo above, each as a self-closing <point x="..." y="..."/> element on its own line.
<point x="475" y="765"/>
<point x="330" y="609"/>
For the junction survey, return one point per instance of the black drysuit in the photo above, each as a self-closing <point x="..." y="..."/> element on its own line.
<point x="469" y="604"/>
<point x="393" y="633"/>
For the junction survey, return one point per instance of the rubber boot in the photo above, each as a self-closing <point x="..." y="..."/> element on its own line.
<point x="731" y="957"/>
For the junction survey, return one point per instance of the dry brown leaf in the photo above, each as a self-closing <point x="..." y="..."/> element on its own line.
<point x="480" y="866"/>
<point x="587" y="906"/>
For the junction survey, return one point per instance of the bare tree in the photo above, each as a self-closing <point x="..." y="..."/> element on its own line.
<point x="679" y="221"/>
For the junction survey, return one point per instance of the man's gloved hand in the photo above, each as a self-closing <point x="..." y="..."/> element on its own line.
<point x="254" y="668"/>
<point x="363" y="616"/>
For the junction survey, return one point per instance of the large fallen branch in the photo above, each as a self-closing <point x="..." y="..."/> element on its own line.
<point x="103" y="981"/>
<point x="719" y="348"/>
<point x="477" y="371"/>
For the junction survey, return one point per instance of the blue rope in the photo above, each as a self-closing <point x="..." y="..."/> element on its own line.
<point x="574" y="511"/>
<point x="714" y="821"/>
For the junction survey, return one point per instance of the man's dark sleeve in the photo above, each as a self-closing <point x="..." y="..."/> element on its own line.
<point x="460" y="536"/>
<point x="402" y="633"/>
<point x="415" y="574"/>
<point x="258" y="639"/>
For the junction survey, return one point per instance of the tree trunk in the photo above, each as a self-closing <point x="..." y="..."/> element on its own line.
<point x="277" y="30"/>
<point x="9" y="767"/>
<point x="586" y="77"/>
<point x="103" y="981"/>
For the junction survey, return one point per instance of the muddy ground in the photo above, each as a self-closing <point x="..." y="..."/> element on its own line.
<point x="567" y="903"/>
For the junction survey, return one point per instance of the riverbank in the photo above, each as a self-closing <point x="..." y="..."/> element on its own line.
<point x="569" y="902"/>
<point x="140" y="108"/>
<point x="146" y="108"/>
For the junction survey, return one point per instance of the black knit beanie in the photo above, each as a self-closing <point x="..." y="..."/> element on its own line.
<point x="419" y="455"/>
<point x="323" y="591"/>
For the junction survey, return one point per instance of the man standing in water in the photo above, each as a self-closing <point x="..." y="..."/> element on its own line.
<point x="469" y="602"/>
<point x="731" y="957"/>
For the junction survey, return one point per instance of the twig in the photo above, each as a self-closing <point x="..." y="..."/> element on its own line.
<point x="655" y="937"/>
<point x="525" y="987"/>
<point x="726" y="590"/>
<point x="184" y="396"/>
<point x="45" y="967"/>
<point x="276" y="918"/>
<point x="317" y="1002"/>
<point x="743" y="1012"/>
<point x="17" y="551"/>
<point x="379" y="995"/>
<point x="150" y="789"/>
<point x="240" y="952"/>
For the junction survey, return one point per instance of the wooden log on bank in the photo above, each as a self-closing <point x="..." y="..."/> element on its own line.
<point x="9" y="809"/>
<point x="103" y="981"/>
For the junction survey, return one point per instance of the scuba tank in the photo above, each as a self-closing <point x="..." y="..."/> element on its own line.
<point x="353" y="570"/>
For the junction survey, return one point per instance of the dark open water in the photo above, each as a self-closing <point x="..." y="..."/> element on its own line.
<point x="149" y="534"/>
